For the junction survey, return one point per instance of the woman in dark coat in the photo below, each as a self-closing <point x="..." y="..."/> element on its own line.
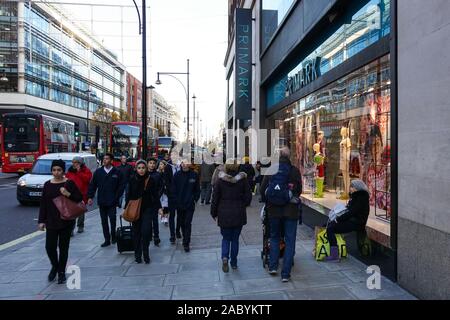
<point x="230" y="198"/>
<point x="354" y="220"/>
<point x="141" y="185"/>
<point x="58" y="231"/>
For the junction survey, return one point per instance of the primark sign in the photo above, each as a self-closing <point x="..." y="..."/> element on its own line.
<point x="307" y="74"/>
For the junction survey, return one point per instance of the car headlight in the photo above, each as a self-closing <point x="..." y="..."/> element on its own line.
<point x="21" y="183"/>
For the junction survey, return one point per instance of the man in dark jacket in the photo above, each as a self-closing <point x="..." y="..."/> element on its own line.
<point x="169" y="172"/>
<point x="185" y="193"/>
<point x="285" y="215"/>
<point x="250" y="171"/>
<point x="156" y="180"/>
<point x="206" y="173"/>
<point x="126" y="170"/>
<point x="109" y="183"/>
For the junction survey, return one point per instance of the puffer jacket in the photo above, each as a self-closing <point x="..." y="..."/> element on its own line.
<point x="358" y="209"/>
<point x="230" y="198"/>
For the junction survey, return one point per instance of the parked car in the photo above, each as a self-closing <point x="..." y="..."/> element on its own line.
<point x="30" y="185"/>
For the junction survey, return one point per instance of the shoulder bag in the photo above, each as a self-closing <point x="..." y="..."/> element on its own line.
<point x="68" y="209"/>
<point x="132" y="212"/>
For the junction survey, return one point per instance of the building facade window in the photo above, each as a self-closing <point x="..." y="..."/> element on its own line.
<point x="273" y="13"/>
<point x="368" y="25"/>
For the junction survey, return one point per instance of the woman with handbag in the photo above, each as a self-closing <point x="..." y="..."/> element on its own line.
<point x="58" y="230"/>
<point x="142" y="197"/>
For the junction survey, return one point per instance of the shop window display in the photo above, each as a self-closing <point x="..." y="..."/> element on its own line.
<point x="342" y="132"/>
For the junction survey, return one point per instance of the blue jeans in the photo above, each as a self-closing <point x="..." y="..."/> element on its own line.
<point x="230" y="238"/>
<point x="290" y="235"/>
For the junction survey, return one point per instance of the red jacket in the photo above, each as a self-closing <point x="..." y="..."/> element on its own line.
<point x="82" y="179"/>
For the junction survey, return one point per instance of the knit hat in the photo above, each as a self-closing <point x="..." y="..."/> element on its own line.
<point x="59" y="163"/>
<point x="141" y="162"/>
<point x="78" y="159"/>
<point x="359" y="185"/>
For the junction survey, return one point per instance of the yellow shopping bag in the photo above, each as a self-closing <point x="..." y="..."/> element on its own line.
<point x="322" y="247"/>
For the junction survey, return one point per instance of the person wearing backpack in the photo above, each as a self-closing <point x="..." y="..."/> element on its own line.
<point x="281" y="193"/>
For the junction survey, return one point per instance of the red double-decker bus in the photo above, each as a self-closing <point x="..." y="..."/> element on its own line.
<point x="126" y="139"/>
<point x="25" y="137"/>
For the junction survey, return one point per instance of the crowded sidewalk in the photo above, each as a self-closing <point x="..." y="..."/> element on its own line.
<point x="175" y="274"/>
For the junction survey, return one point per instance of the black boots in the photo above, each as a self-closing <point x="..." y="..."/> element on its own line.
<point x="52" y="274"/>
<point x="61" y="277"/>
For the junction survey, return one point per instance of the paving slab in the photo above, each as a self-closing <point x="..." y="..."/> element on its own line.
<point x="202" y="290"/>
<point x="154" y="293"/>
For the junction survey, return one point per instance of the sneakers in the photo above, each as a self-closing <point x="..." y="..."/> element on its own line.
<point x="225" y="265"/>
<point x="234" y="267"/>
<point x="105" y="244"/>
<point x="285" y="279"/>
<point x="273" y="272"/>
<point x="80" y="230"/>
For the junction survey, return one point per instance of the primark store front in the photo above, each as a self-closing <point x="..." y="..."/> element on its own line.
<point x="327" y="83"/>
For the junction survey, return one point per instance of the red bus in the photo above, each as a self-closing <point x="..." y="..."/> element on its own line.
<point x="25" y="137"/>
<point x="126" y="139"/>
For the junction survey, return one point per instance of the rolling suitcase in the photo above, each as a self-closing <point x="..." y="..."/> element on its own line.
<point x="124" y="237"/>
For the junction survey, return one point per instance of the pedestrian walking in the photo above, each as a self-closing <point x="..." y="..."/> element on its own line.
<point x="186" y="193"/>
<point x="355" y="219"/>
<point x="258" y="179"/>
<point x="230" y="199"/>
<point x="157" y="181"/>
<point x="164" y="211"/>
<point x="206" y="173"/>
<point x="57" y="230"/>
<point x="81" y="175"/>
<point x="250" y="171"/>
<point x="174" y="224"/>
<point x="126" y="170"/>
<point x="281" y="192"/>
<point x="108" y="183"/>
<point x="142" y="186"/>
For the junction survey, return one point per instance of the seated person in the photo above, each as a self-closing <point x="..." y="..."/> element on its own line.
<point x="353" y="220"/>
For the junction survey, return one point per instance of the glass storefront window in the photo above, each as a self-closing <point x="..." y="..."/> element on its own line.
<point x="368" y="25"/>
<point x="348" y="125"/>
<point x="273" y="13"/>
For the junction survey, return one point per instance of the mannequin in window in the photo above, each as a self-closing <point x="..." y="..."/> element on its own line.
<point x="320" y="170"/>
<point x="344" y="161"/>
<point x="321" y="142"/>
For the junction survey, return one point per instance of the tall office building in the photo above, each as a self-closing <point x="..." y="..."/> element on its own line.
<point x="51" y="65"/>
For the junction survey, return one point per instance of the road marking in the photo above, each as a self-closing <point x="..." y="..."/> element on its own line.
<point x="20" y="240"/>
<point x="34" y="235"/>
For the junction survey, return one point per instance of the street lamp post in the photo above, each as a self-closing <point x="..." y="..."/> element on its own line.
<point x="171" y="74"/>
<point x="193" y="127"/>
<point x="143" y="32"/>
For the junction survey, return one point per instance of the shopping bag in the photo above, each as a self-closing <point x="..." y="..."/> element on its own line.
<point x="322" y="246"/>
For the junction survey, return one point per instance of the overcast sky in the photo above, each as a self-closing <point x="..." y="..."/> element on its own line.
<point x="177" y="30"/>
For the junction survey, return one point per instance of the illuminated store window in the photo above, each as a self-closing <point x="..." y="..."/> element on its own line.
<point x="342" y="132"/>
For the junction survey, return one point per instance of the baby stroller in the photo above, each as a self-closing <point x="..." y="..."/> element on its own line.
<point x="265" y="252"/>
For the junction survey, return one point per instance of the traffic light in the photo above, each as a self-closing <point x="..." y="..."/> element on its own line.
<point x="77" y="130"/>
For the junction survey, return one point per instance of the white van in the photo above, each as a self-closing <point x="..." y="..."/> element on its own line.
<point x="29" y="186"/>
